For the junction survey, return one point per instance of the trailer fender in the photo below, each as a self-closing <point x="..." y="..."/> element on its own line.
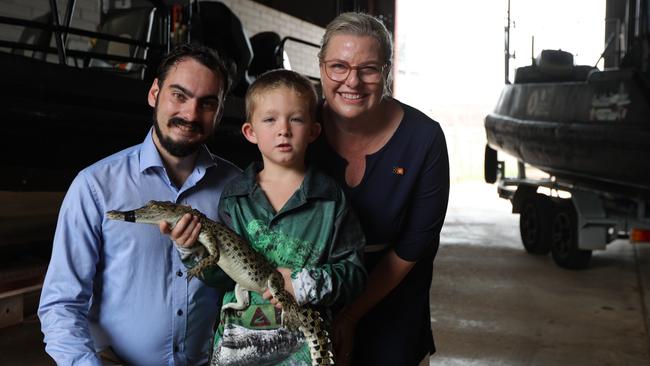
<point x="593" y="222"/>
<point x="523" y="192"/>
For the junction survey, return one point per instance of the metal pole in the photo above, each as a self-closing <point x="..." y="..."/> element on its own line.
<point x="532" y="50"/>
<point x="637" y="19"/>
<point x="68" y="17"/>
<point x="507" y="47"/>
<point x="57" y="34"/>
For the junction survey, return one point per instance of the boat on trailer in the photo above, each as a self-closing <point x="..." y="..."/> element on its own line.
<point x="589" y="130"/>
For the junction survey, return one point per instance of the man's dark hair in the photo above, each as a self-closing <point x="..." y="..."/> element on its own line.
<point x="202" y="54"/>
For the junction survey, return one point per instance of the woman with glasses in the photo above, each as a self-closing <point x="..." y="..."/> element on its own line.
<point x="391" y="160"/>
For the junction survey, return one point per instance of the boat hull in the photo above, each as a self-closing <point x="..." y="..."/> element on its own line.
<point x="60" y="119"/>
<point x="596" y="131"/>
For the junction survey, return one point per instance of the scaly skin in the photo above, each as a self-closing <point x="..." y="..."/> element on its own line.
<point x="248" y="268"/>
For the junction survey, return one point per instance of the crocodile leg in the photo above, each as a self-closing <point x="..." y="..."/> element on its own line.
<point x="243" y="299"/>
<point x="290" y="308"/>
<point x="211" y="260"/>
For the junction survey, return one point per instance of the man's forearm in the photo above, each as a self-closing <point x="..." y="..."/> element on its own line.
<point x="67" y="341"/>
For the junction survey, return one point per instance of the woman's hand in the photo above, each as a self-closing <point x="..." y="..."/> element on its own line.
<point x="343" y="330"/>
<point x="186" y="231"/>
<point x="386" y="275"/>
<point x="288" y="286"/>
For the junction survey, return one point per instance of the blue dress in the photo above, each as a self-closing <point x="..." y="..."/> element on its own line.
<point x="401" y="203"/>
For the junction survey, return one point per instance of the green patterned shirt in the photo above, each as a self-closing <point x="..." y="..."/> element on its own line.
<point x="317" y="236"/>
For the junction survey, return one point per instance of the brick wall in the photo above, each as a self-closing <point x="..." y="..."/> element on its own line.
<point x="259" y="18"/>
<point x="254" y="17"/>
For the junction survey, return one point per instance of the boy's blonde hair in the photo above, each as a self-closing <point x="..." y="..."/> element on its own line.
<point x="281" y="78"/>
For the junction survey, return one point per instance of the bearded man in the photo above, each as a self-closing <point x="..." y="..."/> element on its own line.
<point x="118" y="291"/>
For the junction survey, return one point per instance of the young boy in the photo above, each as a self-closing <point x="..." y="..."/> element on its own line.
<point x="293" y="214"/>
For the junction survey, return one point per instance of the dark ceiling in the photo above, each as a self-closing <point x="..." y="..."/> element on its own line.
<point x="323" y="11"/>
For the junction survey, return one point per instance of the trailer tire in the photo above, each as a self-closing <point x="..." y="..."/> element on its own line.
<point x="535" y="221"/>
<point x="491" y="165"/>
<point x="564" y="241"/>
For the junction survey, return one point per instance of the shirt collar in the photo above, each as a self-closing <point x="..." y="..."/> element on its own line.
<point x="150" y="157"/>
<point x="315" y="185"/>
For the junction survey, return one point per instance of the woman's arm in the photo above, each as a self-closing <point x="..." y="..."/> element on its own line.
<point x="420" y="232"/>
<point x="386" y="275"/>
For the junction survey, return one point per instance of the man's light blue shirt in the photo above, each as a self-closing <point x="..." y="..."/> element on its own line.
<point x="118" y="284"/>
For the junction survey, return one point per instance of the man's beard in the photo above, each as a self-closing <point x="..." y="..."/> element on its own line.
<point x="178" y="149"/>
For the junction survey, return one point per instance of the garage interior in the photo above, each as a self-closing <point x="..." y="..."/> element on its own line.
<point x="499" y="296"/>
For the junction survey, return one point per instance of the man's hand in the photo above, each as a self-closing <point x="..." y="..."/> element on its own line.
<point x="288" y="286"/>
<point x="186" y="231"/>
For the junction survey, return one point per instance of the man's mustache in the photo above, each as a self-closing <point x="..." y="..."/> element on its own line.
<point x="177" y="121"/>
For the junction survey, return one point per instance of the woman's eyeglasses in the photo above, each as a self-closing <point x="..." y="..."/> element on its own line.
<point x="338" y="70"/>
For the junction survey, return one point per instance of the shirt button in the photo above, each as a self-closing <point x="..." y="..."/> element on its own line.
<point x="179" y="273"/>
<point x="179" y="312"/>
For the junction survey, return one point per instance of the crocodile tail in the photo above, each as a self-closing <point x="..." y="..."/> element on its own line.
<point x="307" y="320"/>
<point x="311" y="325"/>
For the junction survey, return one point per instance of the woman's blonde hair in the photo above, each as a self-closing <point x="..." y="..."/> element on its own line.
<point x="361" y="25"/>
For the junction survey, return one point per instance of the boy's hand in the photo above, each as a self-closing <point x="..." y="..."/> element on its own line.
<point x="288" y="286"/>
<point x="185" y="233"/>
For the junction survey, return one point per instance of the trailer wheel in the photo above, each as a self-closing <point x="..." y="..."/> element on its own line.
<point x="535" y="224"/>
<point x="491" y="165"/>
<point x="564" y="242"/>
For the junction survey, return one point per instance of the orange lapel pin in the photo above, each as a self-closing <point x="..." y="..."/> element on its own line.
<point x="398" y="170"/>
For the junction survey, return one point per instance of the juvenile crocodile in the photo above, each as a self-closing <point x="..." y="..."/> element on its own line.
<point x="248" y="268"/>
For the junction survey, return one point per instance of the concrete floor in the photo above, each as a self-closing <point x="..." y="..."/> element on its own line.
<point x="493" y="304"/>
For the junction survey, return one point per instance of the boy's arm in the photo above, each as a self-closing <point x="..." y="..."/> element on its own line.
<point x="343" y="277"/>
